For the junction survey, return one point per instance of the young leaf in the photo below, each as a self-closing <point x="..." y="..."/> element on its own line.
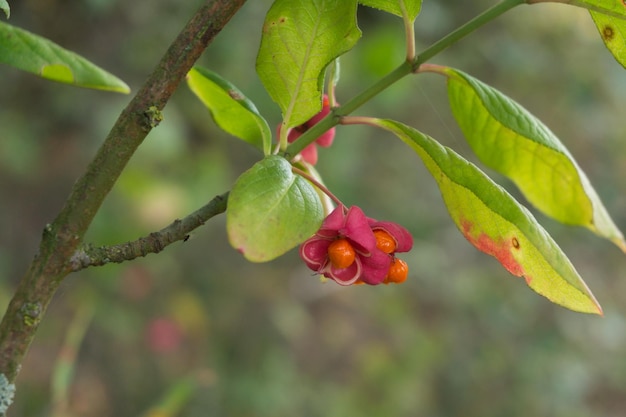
<point x="4" y="6"/>
<point x="411" y="7"/>
<point x="507" y="138"/>
<point x="495" y="223"/>
<point x="32" y="53"/>
<point x="231" y="110"/>
<point x="334" y="74"/>
<point x="271" y="210"/>
<point x="300" y="38"/>
<point x="613" y="33"/>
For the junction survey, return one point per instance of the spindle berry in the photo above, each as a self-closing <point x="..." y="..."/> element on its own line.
<point x="374" y="244"/>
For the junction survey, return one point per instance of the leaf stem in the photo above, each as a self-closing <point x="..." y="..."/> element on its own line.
<point x="360" y="120"/>
<point x="337" y="113"/>
<point x="318" y="184"/>
<point x="400" y="72"/>
<point x="282" y="140"/>
<point x="409" y="29"/>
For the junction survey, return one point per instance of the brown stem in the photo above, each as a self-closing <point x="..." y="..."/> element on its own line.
<point x="155" y="242"/>
<point x="62" y="237"/>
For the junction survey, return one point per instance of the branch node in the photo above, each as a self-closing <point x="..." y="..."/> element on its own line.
<point x="31" y="314"/>
<point x="153" y="116"/>
<point x="81" y="259"/>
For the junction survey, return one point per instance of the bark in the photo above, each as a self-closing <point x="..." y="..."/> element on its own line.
<point x="63" y="236"/>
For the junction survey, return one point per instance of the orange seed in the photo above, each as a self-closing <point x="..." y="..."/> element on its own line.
<point x="341" y="253"/>
<point x="384" y="241"/>
<point x="398" y="271"/>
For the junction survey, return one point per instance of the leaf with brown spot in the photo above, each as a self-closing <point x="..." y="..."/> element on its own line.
<point x="496" y="224"/>
<point x="508" y="138"/>
<point x="613" y="33"/>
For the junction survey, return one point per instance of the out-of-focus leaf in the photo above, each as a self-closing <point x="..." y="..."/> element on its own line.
<point x="32" y="53"/>
<point x="398" y="7"/>
<point x="613" y="33"/>
<point x="507" y="138"/>
<point x="300" y="38"/>
<point x="271" y="210"/>
<point x="4" y="6"/>
<point x="495" y="223"/>
<point x="63" y="373"/>
<point x="231" y="110"/>
<point x="178" y="396"/>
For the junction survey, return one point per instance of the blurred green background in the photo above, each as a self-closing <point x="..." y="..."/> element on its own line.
<point x="198" y="331"/>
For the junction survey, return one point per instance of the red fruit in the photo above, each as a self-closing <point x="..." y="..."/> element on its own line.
<point x="309" y="154"/>
<point x="322" y="113"/>
<point x="293" y="135"/>
<point x="326" y="139"/>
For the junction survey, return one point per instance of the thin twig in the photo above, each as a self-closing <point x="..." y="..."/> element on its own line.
<point x="155" y="242"/>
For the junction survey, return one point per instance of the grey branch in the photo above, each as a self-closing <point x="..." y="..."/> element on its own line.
<point x="88" y="255"/>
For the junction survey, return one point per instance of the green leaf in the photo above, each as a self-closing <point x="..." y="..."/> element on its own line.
<point x="508" y="139"/>
<point x="32" y="53"/>
<point x="495" y="223"/>
<point x="300" y="38"/>
<point x="271" y="210"/>
<point x="613" y="33"/>
<point x="616" y="8"/>
<point x="4" y="6"/>
<point x="232" y="111"/>
<point x="397" y="7"/>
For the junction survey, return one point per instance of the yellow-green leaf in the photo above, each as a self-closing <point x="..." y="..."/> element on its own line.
<point x="231" y="110"/>
<point x="410" y="8"/>
<point x="300" y="38"/>
<point x="4" y="6"/>
<point x="271" y="210"/>
<point x="29" y="52"/>
<point x="616" y="8"/>
<point x="507" y="138"/>
<point x="613" y="33"/>
<point x="495" y="223"/>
